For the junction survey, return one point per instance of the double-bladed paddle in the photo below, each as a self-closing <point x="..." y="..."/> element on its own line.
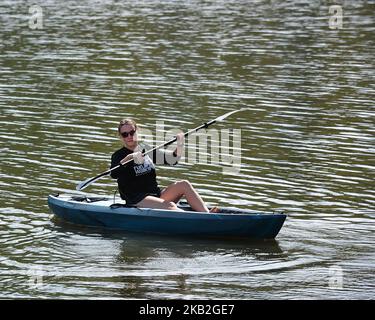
<point x="86" y="183"/>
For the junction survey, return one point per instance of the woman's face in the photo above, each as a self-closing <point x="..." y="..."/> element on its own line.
<point x="128" y="135"/>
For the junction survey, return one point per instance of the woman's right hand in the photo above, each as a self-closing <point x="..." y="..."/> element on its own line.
<point x="136" y="156"/>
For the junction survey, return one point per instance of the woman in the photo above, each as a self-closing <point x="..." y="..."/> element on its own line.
<point x="137" y="180"/>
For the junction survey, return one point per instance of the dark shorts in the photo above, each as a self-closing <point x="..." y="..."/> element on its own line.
<point x="134" y="198"/>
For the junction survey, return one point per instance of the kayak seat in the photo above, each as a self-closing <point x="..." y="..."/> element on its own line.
<point x="122" y="205"/>
<point x="88" y="199"/>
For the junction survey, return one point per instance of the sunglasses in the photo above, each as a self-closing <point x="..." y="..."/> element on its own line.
<point x="125" y="134"/>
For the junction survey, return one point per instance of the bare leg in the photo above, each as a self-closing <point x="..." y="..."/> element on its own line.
<point x="157" y="203"/>
<point x="175" y="191"/>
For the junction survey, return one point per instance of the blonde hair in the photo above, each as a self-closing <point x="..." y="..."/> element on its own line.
<point x="125" y="122"/>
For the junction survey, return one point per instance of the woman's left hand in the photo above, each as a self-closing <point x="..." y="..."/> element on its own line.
<point x="180" y="139"/>
<point x="180" y="144"/>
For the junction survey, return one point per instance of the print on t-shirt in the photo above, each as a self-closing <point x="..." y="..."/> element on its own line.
<point x="145" y="167"/>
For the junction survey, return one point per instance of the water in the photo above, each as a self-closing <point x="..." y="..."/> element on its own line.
<point x="307" y="144"/>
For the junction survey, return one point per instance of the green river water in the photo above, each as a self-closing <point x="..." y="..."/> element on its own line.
<point x="306" y="144"/>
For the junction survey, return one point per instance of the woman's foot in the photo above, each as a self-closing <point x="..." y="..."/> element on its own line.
<point x="214" y="210"/>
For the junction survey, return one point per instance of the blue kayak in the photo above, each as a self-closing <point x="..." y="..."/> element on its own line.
<point x="228" y="223"/>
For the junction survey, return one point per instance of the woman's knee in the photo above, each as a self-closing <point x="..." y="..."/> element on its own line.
<point x="185" y="183"/>
<point x="170" y="205"/>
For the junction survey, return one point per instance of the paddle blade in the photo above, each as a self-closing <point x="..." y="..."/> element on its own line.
<point x="221" y="118"/>
<point x="82" y="185"/>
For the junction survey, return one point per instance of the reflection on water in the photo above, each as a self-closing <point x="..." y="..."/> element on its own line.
<point x="307" y="144"/>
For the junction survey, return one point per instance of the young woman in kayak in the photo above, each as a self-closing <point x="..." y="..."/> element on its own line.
<point x="137" y="180"/>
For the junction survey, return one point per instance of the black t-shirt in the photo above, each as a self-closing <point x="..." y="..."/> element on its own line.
<point x="139" y="178"/>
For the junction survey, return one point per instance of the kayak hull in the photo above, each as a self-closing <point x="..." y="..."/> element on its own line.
<point x="234" y="223"/>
